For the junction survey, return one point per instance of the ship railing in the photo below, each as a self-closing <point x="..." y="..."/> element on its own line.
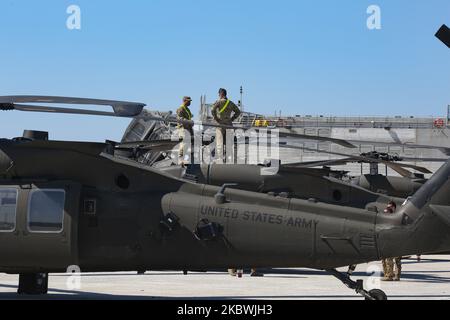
<point x="346" y="122"/>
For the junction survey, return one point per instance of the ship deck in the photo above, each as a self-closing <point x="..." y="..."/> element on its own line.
<point x="427" y="280"/>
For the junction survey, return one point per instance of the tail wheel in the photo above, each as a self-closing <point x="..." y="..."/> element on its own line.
<point x="377" y="294"/>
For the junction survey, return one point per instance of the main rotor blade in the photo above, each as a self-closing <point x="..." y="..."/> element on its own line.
<point x="147" y="143"/>
<point x="281" y="134"/>
<point x="424" y="159"/>
<point x="411" y="166"/>
<point x="444" y="150"/>
<point x="23" y="107"/>
<point x="120" y="108"/>
<point x="339" y="162"/>
<point x="341" y="142"/>
<point x="321" y="163"/>
<point x="398" y="167"/>
<point x="347" y="160"/>
<point x="153" y="145"/>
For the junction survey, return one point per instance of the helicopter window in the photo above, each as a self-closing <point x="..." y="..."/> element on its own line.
<point x="8" y="206"/>
<point x="46" y="210"/>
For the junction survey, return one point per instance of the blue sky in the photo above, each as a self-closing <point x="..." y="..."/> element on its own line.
<point x="303" y="57"/>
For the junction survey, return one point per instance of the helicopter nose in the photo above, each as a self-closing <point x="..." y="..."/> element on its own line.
<point x="5" y="162"/>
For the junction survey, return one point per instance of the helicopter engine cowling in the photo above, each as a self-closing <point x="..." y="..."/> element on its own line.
<point x="255" y="229"/>
<point x="394" y="186"/>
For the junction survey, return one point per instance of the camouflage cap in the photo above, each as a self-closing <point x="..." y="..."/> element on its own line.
<point x="186" y="98"/>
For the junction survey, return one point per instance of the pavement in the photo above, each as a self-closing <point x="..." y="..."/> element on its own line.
<point x="425" y="280"/>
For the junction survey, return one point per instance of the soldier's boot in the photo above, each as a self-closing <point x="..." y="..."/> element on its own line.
<point x="385" y="272"/>
<point x="388" y="272"/>
<point x="397" y="275"/>
<point x="255" y="273"/>
<point x="398" y="269"/>
<point x="383" y="263"/>
<point x="232" y="272"/>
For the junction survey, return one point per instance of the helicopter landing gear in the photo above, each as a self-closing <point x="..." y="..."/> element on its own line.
<point x="357" y="285"/>
<point x="33" y="283"/>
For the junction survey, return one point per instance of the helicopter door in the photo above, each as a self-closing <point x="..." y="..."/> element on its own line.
<point x="9" y="236"/>
<point x="48" y="224"/>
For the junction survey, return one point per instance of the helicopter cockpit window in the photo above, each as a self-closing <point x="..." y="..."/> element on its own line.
<point x="8" y="206"/>
<point x="46" y="210"/>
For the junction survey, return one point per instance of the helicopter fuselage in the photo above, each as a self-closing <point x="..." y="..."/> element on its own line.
<point x="73" y="204"/>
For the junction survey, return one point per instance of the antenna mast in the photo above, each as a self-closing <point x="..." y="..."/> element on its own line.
<point x="242" y="105"/>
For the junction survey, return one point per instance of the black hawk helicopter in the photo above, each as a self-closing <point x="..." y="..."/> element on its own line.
<point x="81" y="203"/>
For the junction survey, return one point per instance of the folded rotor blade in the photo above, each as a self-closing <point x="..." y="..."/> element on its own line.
<point x="154" y="145"/>
<point x="411" y="166"/>
<point x="22" y="107"/>
<point x="340" y="142"/>
<point x="120" y="108"/>
<point x="281" y="134"/>
<point x="312" y="164"/>
<point x="444" y="150"/>
<point x="424" y="159"/>
<point x="398" y="167"/>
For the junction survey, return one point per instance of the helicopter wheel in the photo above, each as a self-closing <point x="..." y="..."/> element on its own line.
<point x="377" y="294"/>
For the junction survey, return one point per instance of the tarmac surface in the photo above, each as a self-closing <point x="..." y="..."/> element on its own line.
<point x="428" y="279"/>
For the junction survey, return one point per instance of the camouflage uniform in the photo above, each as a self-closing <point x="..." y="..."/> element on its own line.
<point x="184" y="113"/>
<point x="398" y="268"/>
<point x="388" y="263"/>
<point x="224" y="112"/>
<point x="388" y="268"/>
<point x="253" y="273"/>
<point x="391" y="273"/>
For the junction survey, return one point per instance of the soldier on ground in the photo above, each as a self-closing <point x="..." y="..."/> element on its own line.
<point x="253" y="273"/>
<point x="391" y="273"/>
